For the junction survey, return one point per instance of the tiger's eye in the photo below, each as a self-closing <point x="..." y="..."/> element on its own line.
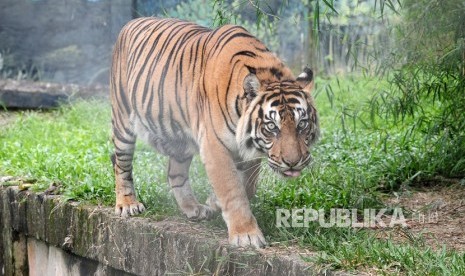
<point x="271" y="126"/>
<point x="302" y="124"/>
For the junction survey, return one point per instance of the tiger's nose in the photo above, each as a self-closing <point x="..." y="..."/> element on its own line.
<point x="291" y="162"/>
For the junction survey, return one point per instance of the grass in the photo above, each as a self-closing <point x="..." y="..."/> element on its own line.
<point x="68" y="146"/>
<point x="357" y="159"/>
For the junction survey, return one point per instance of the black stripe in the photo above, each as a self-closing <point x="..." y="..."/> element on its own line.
<point x="118" y="149"/>
<point x="220" y="39"/>
<point x="216" y="133"/>
<point x="243" y="53"/>
<point x="292" y="101"/>
<point x="119" y="125"/>
<point x="236" y="105"/>
<point x="223" y="113"/>
<point x="180" y="185"/>
<point x="162" y="78"/>
<point x="249" y="143"/>
<point x="275" y="103"/>
<point x="252" y="70"/>
<point x="227" y="94"/>
<point x="120" y="138"/>
<point x="298" y="94"/>
<point x="260" y="112"/>
<point x="172" y="176"/>
<point x="236" y="35"/>
<point x="141" y="70"/>
<point x="276" y="72"/>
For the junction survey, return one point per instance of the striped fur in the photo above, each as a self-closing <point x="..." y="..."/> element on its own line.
<point x="184" y="89"/>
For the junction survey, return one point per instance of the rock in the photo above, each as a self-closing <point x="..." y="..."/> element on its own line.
<point x="32" y="95"/>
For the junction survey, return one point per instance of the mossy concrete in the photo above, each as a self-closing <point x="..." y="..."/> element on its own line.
<point x="137" y="246"/>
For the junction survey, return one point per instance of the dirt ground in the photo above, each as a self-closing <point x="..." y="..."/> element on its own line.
<point x="435" y="213"/>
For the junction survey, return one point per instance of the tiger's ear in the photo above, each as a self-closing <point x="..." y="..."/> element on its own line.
<point x="251" y="86"/>
<point x="305" y="80"/>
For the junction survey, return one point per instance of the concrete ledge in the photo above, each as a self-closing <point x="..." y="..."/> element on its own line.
<point x="27" y="94"/>
<point x="137" y="246"/>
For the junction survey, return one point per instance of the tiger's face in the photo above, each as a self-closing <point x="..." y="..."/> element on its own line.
<point x="286" y="131"/>
<point x="282" y="124"/>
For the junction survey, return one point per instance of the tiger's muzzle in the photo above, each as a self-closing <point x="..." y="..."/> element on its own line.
<point x="289" y="168"/>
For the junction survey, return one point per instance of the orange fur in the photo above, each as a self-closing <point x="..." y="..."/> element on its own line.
<point x="185" y="89"/>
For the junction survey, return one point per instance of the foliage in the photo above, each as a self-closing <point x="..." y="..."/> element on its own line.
<point x="427" y="77"/>
<point x="213" y="14"/>
<point x="339" y="32"/>
<point x="199" y="11"/>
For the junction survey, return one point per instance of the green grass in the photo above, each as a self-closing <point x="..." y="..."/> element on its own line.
<point x="68" y="146"/>
<point x="359" y="157"/>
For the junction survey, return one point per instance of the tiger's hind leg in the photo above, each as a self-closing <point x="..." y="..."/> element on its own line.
<point x="126" y="201"/>
<point x="178" y="178"/>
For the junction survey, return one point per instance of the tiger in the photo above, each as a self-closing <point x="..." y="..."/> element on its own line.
<point x="186" y="89"/>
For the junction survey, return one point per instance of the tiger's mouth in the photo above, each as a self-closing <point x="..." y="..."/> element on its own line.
<point x="286" y="172"/>
<point x="291" y="173"/>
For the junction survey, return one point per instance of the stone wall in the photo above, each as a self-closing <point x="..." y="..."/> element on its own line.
<point x="40" y="234"/>
<point x="62" y="40"/>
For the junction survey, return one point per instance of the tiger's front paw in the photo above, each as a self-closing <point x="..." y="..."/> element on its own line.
<point x="253" y="238"/>
<point x="199" y="212"/>
<point x="128" y="206"/>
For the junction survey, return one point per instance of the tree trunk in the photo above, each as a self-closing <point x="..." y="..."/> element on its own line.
<point x="311" y="47"/>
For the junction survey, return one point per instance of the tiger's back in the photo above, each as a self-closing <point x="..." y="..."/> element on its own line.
<point x="169" y="72"/>
<point x="184" y="88"/>
<point x="148" y="78"/>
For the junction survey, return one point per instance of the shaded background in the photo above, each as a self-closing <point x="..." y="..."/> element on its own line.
<point x="62" y="41"/>
<point x="70" y="41"/>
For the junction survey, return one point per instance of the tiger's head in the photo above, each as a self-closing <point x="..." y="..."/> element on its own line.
<point x="280" y="122"/>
